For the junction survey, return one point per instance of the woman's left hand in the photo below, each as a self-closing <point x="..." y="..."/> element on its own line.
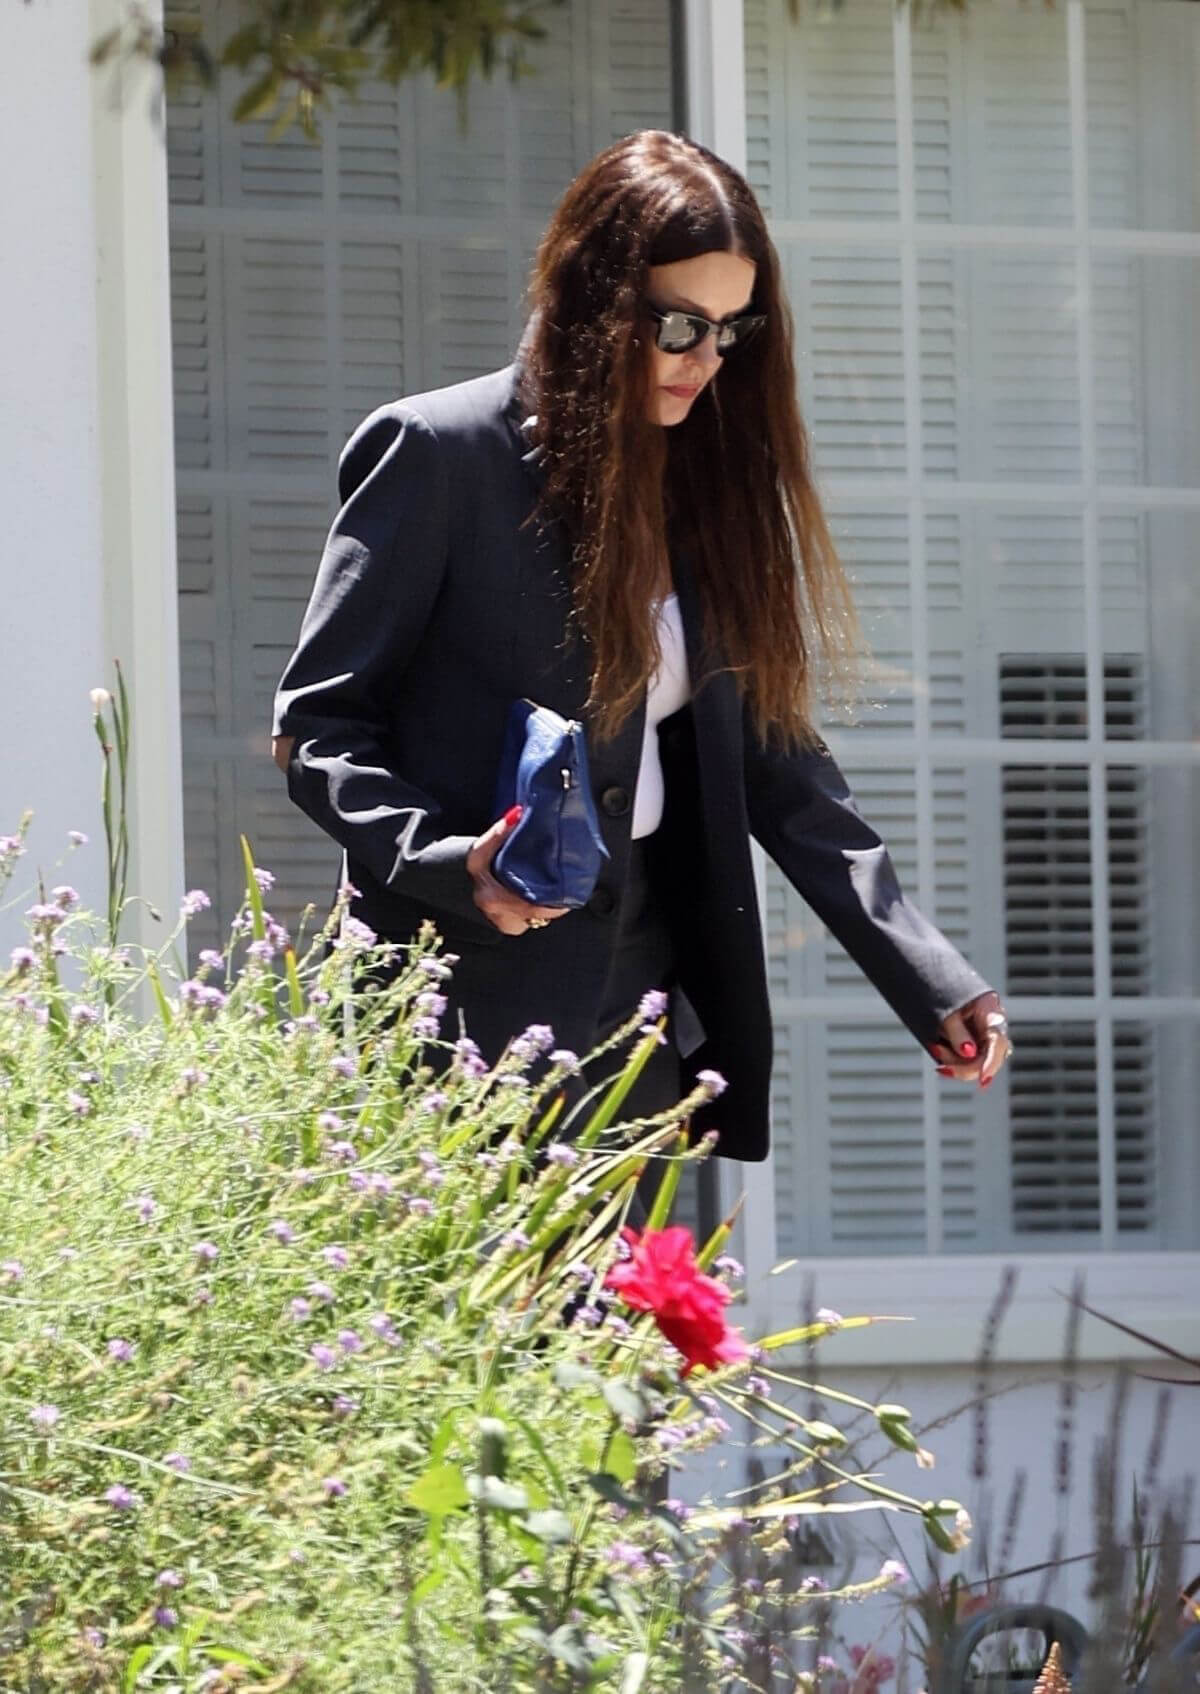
<point x="974" y="1041"/>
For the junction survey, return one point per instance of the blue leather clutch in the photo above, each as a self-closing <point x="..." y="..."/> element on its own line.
<point x="554" y="854"/>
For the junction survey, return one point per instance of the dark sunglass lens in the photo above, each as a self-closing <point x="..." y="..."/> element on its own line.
<point x="677" y="333"/>
<point x="737" y="332"/>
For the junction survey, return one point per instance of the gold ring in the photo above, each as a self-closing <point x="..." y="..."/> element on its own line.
<point x="538" y="923"/>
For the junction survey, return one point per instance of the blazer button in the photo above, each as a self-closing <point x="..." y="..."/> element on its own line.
<point x="614" y="802"/>
<point x="602" y="903"/>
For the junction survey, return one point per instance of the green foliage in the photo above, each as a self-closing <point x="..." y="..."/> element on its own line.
<point x="287" y="1397"/>
<point x="290" y="55"/>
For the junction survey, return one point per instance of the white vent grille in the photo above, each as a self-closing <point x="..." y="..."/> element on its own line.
<point x="1049" y="937"/>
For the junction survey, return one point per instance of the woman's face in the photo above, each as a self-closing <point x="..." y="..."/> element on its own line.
<point x="717" y="285"/>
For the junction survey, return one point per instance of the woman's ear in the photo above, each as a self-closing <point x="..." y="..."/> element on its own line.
<point x="281" y="749"/>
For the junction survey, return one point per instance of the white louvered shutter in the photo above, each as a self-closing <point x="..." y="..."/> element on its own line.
<point x="309" y="285"/>
<point x="866" y="1161"/>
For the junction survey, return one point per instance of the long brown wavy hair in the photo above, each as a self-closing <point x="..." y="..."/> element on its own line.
<point x="732" y="481"/>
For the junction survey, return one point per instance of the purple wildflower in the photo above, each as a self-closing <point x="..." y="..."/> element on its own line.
<point x="323" y="1357"/>
<point x="65" y="897"/>
<point x="166" y="1617"/>
<point x="652" y="1005"/>
<point x="434" y="968"/>
<point x="346" y="1151"/>
<point x="44" y="1416"/>
<point x="626" y="1553"/>
<point x="146" y="1206"/>
<point x="80" y="1105"/>
<point x="434" y="1101"/>
<point x="431" y="1002"/>
<point x="728" y="1263"/>
<point x="355" y="934"/>
<point x="330" y="1122"/>
<point x="343" y="1065"/>
<point x="22" y="959"/>
<point x="564" y="1059"/>
<point x="589" y="1314"/>
<point x="419" y="1205"/>
<point x="264" y="879"/>
<point x="892" y="1571"/>
<point x="121" y="1498"/>
<point x="425" y="1029"/>
<point x="77" y="838"/>
<point x="350" y="1341"/>
<point x="712" y="1082"/>
<point x="282" y="1231"/>
<point x="515" y="1238"/>
<point x="44" y="915"/>
<point x="344" y="1406"/>
<point x="193" y="903"/>
<point x="202" y="1296"/>
<point x="323" y="1292"/>
<point x="830" y="1318"/>
<point x="540" y="1036"/>
<point x="13" y="1270"/>
<point x="384" y="1328"/>
<point x="379" y="1182"/>
<point x="299" y="1308"/>
<point x="758" y="1385"/>
<point x="261" y="950"/>
<point x="178" y="1462"/>
<point x="334" y="1487"/>
<point x="206" y="1252"/>
<point x="337" y="1257"/>
<point x="210" y="958"/>
<point x="169" y="1578"/>
<point x="121" y="1350"/>
<point x="190" y="1077"/>
<point x="561" y="1154"/>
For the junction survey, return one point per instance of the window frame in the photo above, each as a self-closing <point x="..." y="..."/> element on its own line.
<point x="714" y="62"/>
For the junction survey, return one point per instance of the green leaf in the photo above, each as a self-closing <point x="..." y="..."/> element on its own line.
<point x="428" y="1585"/>
<point x="622" y="1457"/>
<point x="295" y="993"/>
<point x="233" y="1656"/>
<point x="258" y="100"/>
<point x="496" y="1495"/>
<point x="567" y="1374"/>
<point x="253" y="894"/>
<point x="634" y="1673"/>
<point x="138" y="1660"/>
<point x="624" y="1400"/>
<point x="533" y="1436"/>
<point x="442" y="1489"/>
<point x="160" y="999"/>
<point x="660" y="1211"/>
<point x="608" y="1488"/>
<point x="552" y="1525"/>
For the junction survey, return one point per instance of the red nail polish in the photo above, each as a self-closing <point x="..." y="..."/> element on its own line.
<point x="944" y="1070"/>
<point x="968" y="1049"/>
<point x="513" y="816"/>
<point x="987" y="1082"/>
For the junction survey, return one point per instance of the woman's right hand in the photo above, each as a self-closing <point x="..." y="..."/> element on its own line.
<point x="508" y="911"/>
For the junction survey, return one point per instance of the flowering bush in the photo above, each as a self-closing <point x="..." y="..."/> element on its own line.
<point x="325" y="1363"/>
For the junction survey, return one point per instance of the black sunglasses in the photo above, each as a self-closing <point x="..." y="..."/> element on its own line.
<point x="679" y="331"/>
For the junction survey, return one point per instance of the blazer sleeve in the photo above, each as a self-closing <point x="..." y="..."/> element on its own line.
<point x="379" y="576"/>
<point x="805" y="817"/>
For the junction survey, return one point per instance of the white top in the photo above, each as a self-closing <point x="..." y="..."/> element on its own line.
<point x="670" y="688"/>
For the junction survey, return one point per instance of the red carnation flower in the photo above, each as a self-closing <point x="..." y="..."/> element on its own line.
<point x="661" y="1276"/>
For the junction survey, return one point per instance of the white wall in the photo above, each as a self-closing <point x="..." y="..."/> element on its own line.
<point x="88" y="572"/>
<point x="53" y="622"/>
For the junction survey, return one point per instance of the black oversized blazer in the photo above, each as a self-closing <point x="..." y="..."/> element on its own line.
<point x="433" y="609"/>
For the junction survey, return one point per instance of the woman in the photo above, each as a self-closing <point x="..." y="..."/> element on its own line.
<point x="611" y="526"/>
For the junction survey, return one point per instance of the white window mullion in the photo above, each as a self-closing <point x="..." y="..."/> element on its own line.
<point x="910" y="313"/>
<point x="1106" y="1125"/>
